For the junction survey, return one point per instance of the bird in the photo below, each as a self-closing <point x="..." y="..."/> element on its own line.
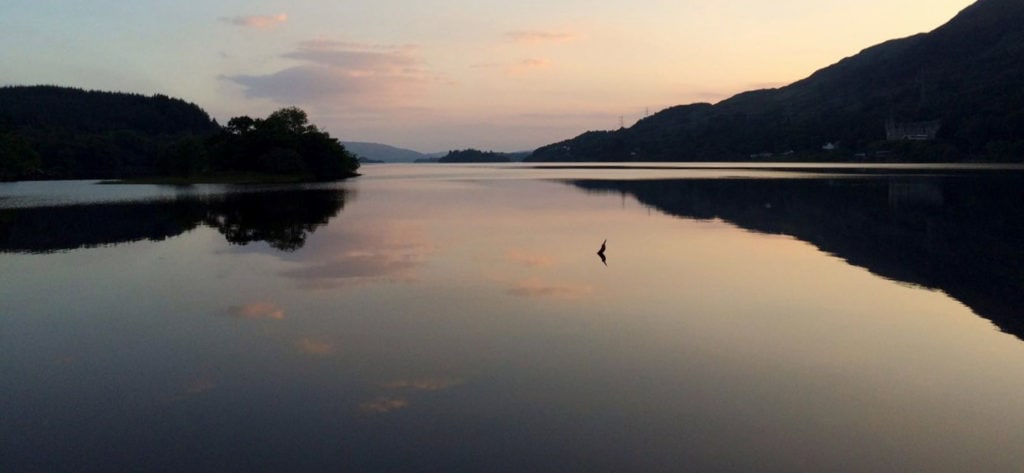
<point x="601" y="252"/>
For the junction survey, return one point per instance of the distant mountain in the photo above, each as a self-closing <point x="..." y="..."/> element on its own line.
<point x="475" y="156"/>
<point x="383" y="153"/>
<point x="518" y="155"/>
<point x="962" y="81"/>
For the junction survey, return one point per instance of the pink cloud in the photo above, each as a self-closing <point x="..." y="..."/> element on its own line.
<point x="361" y="74"/>
<point x="258" y="21"/>
<point x="527" y="66"/>
<point x="371" y="59"/>
<point x="534" y="63"/>
<point x="534" y="36"/>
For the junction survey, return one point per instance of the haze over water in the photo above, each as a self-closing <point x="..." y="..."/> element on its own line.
<point x="444" y="318"/>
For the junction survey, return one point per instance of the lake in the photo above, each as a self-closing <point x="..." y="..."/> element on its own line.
<point x="458" y="319"/>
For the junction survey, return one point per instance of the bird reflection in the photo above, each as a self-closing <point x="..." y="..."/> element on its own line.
<point x="600" y="252"/>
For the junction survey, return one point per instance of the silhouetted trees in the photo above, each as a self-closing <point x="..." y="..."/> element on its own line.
<point x="61" y="133"/>
<point x="283" y="143"/>
<point x="17" y="158"/>
<point x="475" y="156"/>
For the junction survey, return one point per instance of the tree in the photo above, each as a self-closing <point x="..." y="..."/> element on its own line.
<point x="240" y="125"/>
<point x="284" y="143"/>
<point x="288" y="120"/>
<point x="77" y="134"/>
<point x="186" y="157"/>
<point x="17" y="158"/>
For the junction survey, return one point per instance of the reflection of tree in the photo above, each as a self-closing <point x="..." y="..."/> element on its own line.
<point x="281" y="218"/>
<point x="962" y="235"/>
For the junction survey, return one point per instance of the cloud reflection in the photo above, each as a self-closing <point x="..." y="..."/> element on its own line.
<point x="422" y="384"/>
<point x="541" y="289"/>
<point x="362" y="254"/>
<point x="383" y="405"/>
<point x="314" y="347"/>
<point x="527" y="259"/>
<point x="195" y="386"/>
<point x="355" y="268"/>
<point x="256" y="310"/>
<point x="409" y="386"/>
<point x="199" y="385"/>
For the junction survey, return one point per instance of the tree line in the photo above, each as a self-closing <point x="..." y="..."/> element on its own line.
<point x="283" y="143"/>
<point x="49" y="132"/>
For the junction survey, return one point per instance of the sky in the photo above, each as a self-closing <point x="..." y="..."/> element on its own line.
<point x="437" y="75"/>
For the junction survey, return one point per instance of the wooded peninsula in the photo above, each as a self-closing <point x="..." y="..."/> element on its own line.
<point x="49" y="132"/>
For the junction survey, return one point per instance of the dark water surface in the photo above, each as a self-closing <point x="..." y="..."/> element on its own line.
<point x="446" y="318"/>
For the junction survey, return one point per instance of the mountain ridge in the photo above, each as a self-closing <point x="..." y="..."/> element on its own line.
<point x="964" y="74"/>
<point x="386" y="153"/>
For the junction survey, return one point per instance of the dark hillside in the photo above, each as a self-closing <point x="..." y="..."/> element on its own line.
<point x="967" y="76"/>
<point x="93" y="112"/>
<point x="59" y="132"/>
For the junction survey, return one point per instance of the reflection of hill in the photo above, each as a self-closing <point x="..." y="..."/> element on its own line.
<point x="282" y="218"/>
<point x="962" y="235"/>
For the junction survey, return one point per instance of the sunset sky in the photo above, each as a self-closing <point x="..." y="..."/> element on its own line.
<point x="434" y="75"/>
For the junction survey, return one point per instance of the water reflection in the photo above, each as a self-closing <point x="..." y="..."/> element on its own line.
<point x="546" y="289"/>
<point x="506" y="345"/>
<point x="282" y="218"/>
<point x="256" y="310"/>
<point x="960" y="234"/>
<point x="366" y="252"/>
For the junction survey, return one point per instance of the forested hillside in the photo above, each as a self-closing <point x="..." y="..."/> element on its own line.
<point x="59" y="132"/>
<point x="965" y="78"/>
<point x="51" y="132"/>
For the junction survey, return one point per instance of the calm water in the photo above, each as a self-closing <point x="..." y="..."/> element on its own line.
<point x="436" y="318"/>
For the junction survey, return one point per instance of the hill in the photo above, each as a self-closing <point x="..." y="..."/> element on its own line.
<point x="60" y="132"/>
<point x="960" y="82"/>
<point x="96" y="111"/>
<point x="51" y="132"/>
<point x="382" y="152"/>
